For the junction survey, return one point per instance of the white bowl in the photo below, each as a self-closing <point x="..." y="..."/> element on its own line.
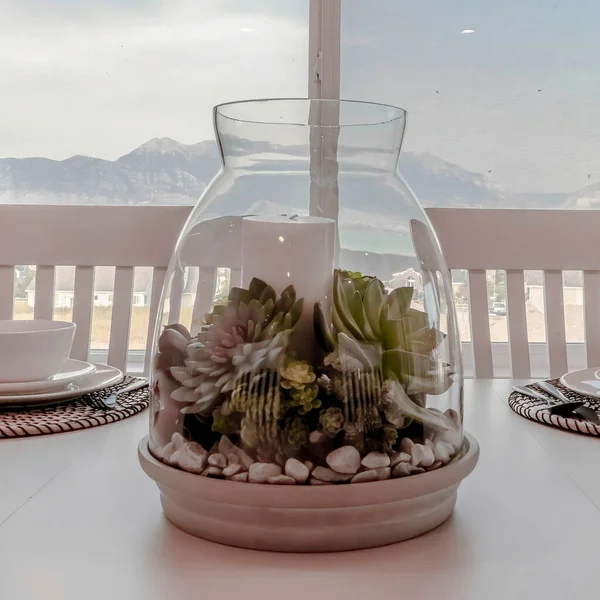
<point x="33" y="350"/>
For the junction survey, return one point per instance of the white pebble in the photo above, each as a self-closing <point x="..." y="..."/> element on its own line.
<point x="383" y="473"/>
<point x="232" y="470"/>
<point x="375" y="460"/>
<point x="314" y="481"/>
<point x="453" y="415"/>
<point x="226" y="446"/>
<point x="190" y="457"/>
<point x="429" y="443"/>
<point x="440" y="452"/>
<point x="436" y="465"/>
<point x="365" y="476"/>
<point x="399" y="457"/>
<point x="213" y="472"/>
<point x="178" y="440"/>
<point x="217" y="460"/>
<point x="421" y="456"/>
<point x="344" y="460"/>
<point x="401" y="470"/>
<point x="282" y="480"/>
<point x="309" y="465"/>
<point x="406" y="445"/>
<point x="233" y="459"/>
<point x="317" y="437"/>
<point x="295" y="469"/>
<point x="260" y="472"/>
<point x="240" y="477"/>
<point x="330" y="476"/>
<point x="166" y="454"/>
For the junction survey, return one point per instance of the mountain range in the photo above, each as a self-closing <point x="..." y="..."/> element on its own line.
<point x="165" y="172"/>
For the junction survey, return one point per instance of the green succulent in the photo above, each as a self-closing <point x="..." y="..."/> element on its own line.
<point x="305" y="398"/>
<point x="296" y="374"/>
<point x="223" y="423"/>
<point x="372" y="328"/>
<point x="390" y="437"/>
<point x="295" y="432"/>
<point x="331" y="421"/>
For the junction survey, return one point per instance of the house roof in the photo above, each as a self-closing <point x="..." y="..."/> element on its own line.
<point x="104" y="280"/>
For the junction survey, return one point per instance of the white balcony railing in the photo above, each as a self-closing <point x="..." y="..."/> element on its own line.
<point x="473" y="240"/>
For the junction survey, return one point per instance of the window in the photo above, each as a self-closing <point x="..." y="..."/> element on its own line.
<point x="133" y="83"/>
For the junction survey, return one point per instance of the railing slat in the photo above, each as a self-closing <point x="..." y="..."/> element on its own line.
<point x="480" y="324"/>
<point x="175" y="297"/>
<point x="591" y="312"/>
<point x="517" y="324"/>
<point x="121" y="318"/>
<point x="158" y="279"/>
<point x="205" y="292"/>
<point x="7" y="292"/>
<point x="555" y="322"/>
<point x="44" y="292"/>
<point x="82" y="311"/>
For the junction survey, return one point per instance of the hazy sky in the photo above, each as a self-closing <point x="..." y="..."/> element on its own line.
<point x="101" y="77"/>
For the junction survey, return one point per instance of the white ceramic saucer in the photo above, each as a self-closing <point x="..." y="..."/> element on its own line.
<point x="72" y="371"/>
<point x="102" y="377"/>
<point x="583" y="382"/>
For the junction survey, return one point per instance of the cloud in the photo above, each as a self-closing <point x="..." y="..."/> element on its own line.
<point x="87" y="81"/>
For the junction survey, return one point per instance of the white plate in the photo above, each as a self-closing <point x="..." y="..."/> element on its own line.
<point x="102" y="377"/>
<point x="72" y="371"/>
<point x="583" y="382"/>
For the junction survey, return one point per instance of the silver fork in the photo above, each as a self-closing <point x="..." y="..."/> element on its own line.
<point x="110" y="401"/>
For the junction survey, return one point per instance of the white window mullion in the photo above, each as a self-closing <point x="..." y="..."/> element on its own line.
<point x="324" y="49"/>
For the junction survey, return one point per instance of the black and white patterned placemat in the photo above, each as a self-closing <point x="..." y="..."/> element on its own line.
<point x="531" y="408"/>
<point x="73" y="415"/>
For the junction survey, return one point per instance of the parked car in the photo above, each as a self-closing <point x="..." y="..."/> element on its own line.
<point x="498" y="309"/>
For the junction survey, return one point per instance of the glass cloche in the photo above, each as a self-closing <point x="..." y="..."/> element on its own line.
<point x="307" y="332"/>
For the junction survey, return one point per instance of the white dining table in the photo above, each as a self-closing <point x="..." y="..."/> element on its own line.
<point x="79" y="520"/>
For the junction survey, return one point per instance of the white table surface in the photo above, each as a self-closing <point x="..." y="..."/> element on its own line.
<point x="79" y="520"/>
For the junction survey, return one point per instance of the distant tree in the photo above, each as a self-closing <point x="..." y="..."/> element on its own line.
<point x="24" y="275"/>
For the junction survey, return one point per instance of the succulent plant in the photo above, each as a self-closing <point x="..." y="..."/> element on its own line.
<point x="295" y="432"/>
<point x="223" y="423"/>
<point x="296" y="374"/>
<point x="390" y="437"/>
<point x="371" y="328"/>
<point x="248" y="335"/>
<point x="305" y="398"/>
<point x="331" y="421"/>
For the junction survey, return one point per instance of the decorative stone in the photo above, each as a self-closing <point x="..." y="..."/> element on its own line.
<point x="232" y="470"/>
<point x="167" y="454"/>
<point x="453" y="438"/>
<point x="440" y="452"/>
<point x="416" y="470"/>
<point x="217" y="460"/>
<point x="314" y="481"/>
<point x="233" y="459"/>
<point x="383" y="473"/>
<point x="190" y="457"/>
<point x="227" y="447"/>
<point x="309" y="465"/>
<point x="429" y="443"/>
<point x="375" y="460"/>
<point x="365" y="476"/>
<point x="213" y="472"/>
<point x="330" y="476"/>
<point x="317" y="437"/>
<point x="260" y="472"/>
<point x="421" y="456"/>
<point x="344" y="460"/>
<point x="282" y="480"/>
<point x="399" y="457"/>
<point x="436" y="465"/>
<point x="406" y="445"/>
<point x="177" y="440"/>
<point x="401" y="470"/>
<point x="295" y="469"/>
<point x="240" y="477"/>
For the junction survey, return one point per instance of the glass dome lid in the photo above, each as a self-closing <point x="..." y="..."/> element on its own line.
<point x="307" y="332"/>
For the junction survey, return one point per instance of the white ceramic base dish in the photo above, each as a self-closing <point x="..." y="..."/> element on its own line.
<point x="102" y="377"/>
<point x="583" y="381"/>
<point x="72" y="371"/>
<point x="327" y="518"/>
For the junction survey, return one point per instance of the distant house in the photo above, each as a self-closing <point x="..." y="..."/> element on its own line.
<point x="104" y="287"/>
<point x="407" y="278"/>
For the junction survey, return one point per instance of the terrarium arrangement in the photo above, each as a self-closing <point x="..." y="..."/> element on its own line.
<point x="355" y="411"/>
<point x="306" y="336"/>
